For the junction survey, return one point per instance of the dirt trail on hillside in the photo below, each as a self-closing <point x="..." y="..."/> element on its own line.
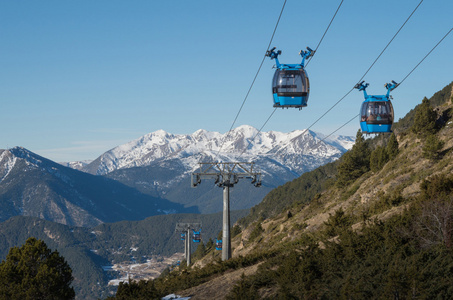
<point x="219" y="287"/>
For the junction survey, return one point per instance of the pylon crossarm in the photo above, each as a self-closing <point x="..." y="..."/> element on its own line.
<point x="215" y="175"/>
<point x="182" y="227"/>
<point x="245" y="169"/>
<point x="209" y="167"/>
<point x="224" y="172"/>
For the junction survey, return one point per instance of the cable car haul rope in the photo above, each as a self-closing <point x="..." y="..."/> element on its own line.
<point x="291" y="87"/>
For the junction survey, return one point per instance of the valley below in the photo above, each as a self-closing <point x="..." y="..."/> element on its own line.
<point x="151" y="269"/>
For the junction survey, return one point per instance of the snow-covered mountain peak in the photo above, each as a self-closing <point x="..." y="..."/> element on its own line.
<point x="160" y="132"/>
<point x="202" y="134"/>
<point x="242" y="142"/>
<point x="341" y="141"/>
<point x="247" y="130"/>
<point x="27" y="160"/>
<point x="28" y="156"/>
<point x="76" y="165"/>
<point x="159" y="136"/>
<point x="7" y="162"/>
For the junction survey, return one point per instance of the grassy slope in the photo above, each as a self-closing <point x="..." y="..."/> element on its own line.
<point x="303" y="206"/>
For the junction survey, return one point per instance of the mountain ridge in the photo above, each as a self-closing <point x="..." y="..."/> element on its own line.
<point x="160" y="164"/>
<point x="151" y="175"/>
<point x="244" y="141"/>
<point x="31" y="185"/>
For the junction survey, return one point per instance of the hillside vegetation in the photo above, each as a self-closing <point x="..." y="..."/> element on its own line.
<point x="87" y="249"/>
<point x="376" y="224"/>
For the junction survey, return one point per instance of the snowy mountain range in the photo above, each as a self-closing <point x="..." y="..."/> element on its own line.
<point x="297" y="150"/>
<point x="151" y="175"/>
<point x="160" y="163"/>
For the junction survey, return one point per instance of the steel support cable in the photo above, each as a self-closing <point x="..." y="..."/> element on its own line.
<point x="426" y="55"/>
<point x="254" y="79"/>
<point x="390" y="41"/>
<point x="352" y="119"/>
<point x="385" y="48"/>
<point x="398" y="84"/>
<point x="259" y="131"/>
<point x="325" y="32"/>
<point x="320" y="41"/>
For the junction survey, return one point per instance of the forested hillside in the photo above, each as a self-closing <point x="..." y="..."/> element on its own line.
<point x="88" y="249"/>
<point x="375" y="224"/>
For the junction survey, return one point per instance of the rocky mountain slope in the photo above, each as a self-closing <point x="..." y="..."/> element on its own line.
<point x="160" y="163"/>
<point x="31" y="185"/>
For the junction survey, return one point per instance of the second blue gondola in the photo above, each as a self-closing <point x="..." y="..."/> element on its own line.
<point x="376" y="113"/>
<point x="218" y="244"/>
<point x="290" y="85"/>
<point x="196" y="237"/>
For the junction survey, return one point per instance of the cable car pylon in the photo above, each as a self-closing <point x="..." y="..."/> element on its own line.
<point x="226" y="175"/>
<point x="184" y="229"/>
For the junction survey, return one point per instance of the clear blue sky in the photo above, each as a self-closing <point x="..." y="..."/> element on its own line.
<point x="78" y="78"/>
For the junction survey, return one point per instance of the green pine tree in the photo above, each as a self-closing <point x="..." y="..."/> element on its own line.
<point x="209" y="245"/>
<point x="337" y="223"/>
<point x="392" y="147"/>
<point x="33" y="272"/>
<point x="378" y="158"/>
<point x="235" y="230"/>
<point x="199" y="252"/>
<point x="425" y="119"/>
<point x="242" y="290"/>
<point x="432" y="146"/>
<point x="354" y="162"/>
<point x="142" y="290"/>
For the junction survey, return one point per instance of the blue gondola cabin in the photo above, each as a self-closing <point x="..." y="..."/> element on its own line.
<point x="196" y="238"/>
<point x="376" y="113"/>
<point x="290" y="85"/>
<point x="218" y="244"/>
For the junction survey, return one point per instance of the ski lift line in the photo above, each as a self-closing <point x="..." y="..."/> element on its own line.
<point x="254" y="79"/>
<point x="243" y="102"/>
<point x="342" y="98"/>
<point x="320" y="41"/>
<point x="438" y="43"/>
<point x="382" y="52"/>
<point x="309" y="127"/>
<point x="259" y="131"/>
<point x="352" y="119"/>
<point x="388" y="44"/>
<point x="328" y="110"/>
<point x="275" y="28"/>
<point x="451" y="29"/>
<point x="325" y="32"/>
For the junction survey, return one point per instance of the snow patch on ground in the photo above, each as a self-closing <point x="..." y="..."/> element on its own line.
<point x="173" y="296"/>
<point x="116" y="282"/>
